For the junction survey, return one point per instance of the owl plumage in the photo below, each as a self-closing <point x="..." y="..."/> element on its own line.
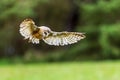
<point x="34" y="34"/>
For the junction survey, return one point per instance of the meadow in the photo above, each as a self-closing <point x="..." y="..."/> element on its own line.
<point x="106" y="70"/>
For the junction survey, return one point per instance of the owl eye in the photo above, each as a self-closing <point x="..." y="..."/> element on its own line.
<point x="46" y="33"/>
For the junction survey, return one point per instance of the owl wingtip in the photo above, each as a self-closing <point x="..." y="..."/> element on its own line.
<point x="83" y="36"/>
<point x="28" y="19"/>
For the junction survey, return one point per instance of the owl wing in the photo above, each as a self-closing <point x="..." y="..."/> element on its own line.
<point x="26" y="30"/>
<point x="63" y="38"/>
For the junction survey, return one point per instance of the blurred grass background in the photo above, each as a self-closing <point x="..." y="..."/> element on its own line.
<point x="99" y="19"/>
<point x="107" y="70"/>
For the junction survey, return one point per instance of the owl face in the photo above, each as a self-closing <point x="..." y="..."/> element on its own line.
<point x="45" y="31"/>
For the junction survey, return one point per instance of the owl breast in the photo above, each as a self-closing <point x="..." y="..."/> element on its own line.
<point x="37" y="34"/>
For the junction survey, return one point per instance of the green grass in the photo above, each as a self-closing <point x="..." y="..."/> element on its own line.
<point x="62" y="71"/>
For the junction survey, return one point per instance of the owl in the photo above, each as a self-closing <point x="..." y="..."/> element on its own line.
<point x="34" y="34"/>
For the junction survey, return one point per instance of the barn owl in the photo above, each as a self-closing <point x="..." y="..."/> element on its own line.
<point x="34" y="34"/>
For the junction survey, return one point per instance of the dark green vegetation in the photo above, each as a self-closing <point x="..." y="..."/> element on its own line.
<point x="99" y="19"/>
<point x="62" y="71"/>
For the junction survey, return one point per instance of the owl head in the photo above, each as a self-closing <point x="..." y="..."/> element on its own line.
<point x="46" y="30"/>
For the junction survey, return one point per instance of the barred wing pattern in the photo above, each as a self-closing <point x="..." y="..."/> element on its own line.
<point x="26" y="31"/>
<point x="63" y="38"/>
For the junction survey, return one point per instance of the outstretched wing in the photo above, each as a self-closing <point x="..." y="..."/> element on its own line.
<point x="27" y="28"/>
<point x="63" y="38"/>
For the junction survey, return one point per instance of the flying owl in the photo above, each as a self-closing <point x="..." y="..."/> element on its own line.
<point x="34" y="34"/>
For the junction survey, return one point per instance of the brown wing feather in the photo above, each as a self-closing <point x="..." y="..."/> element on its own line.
<point x="29" y="31"/>
<point x="63" y="38"/>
